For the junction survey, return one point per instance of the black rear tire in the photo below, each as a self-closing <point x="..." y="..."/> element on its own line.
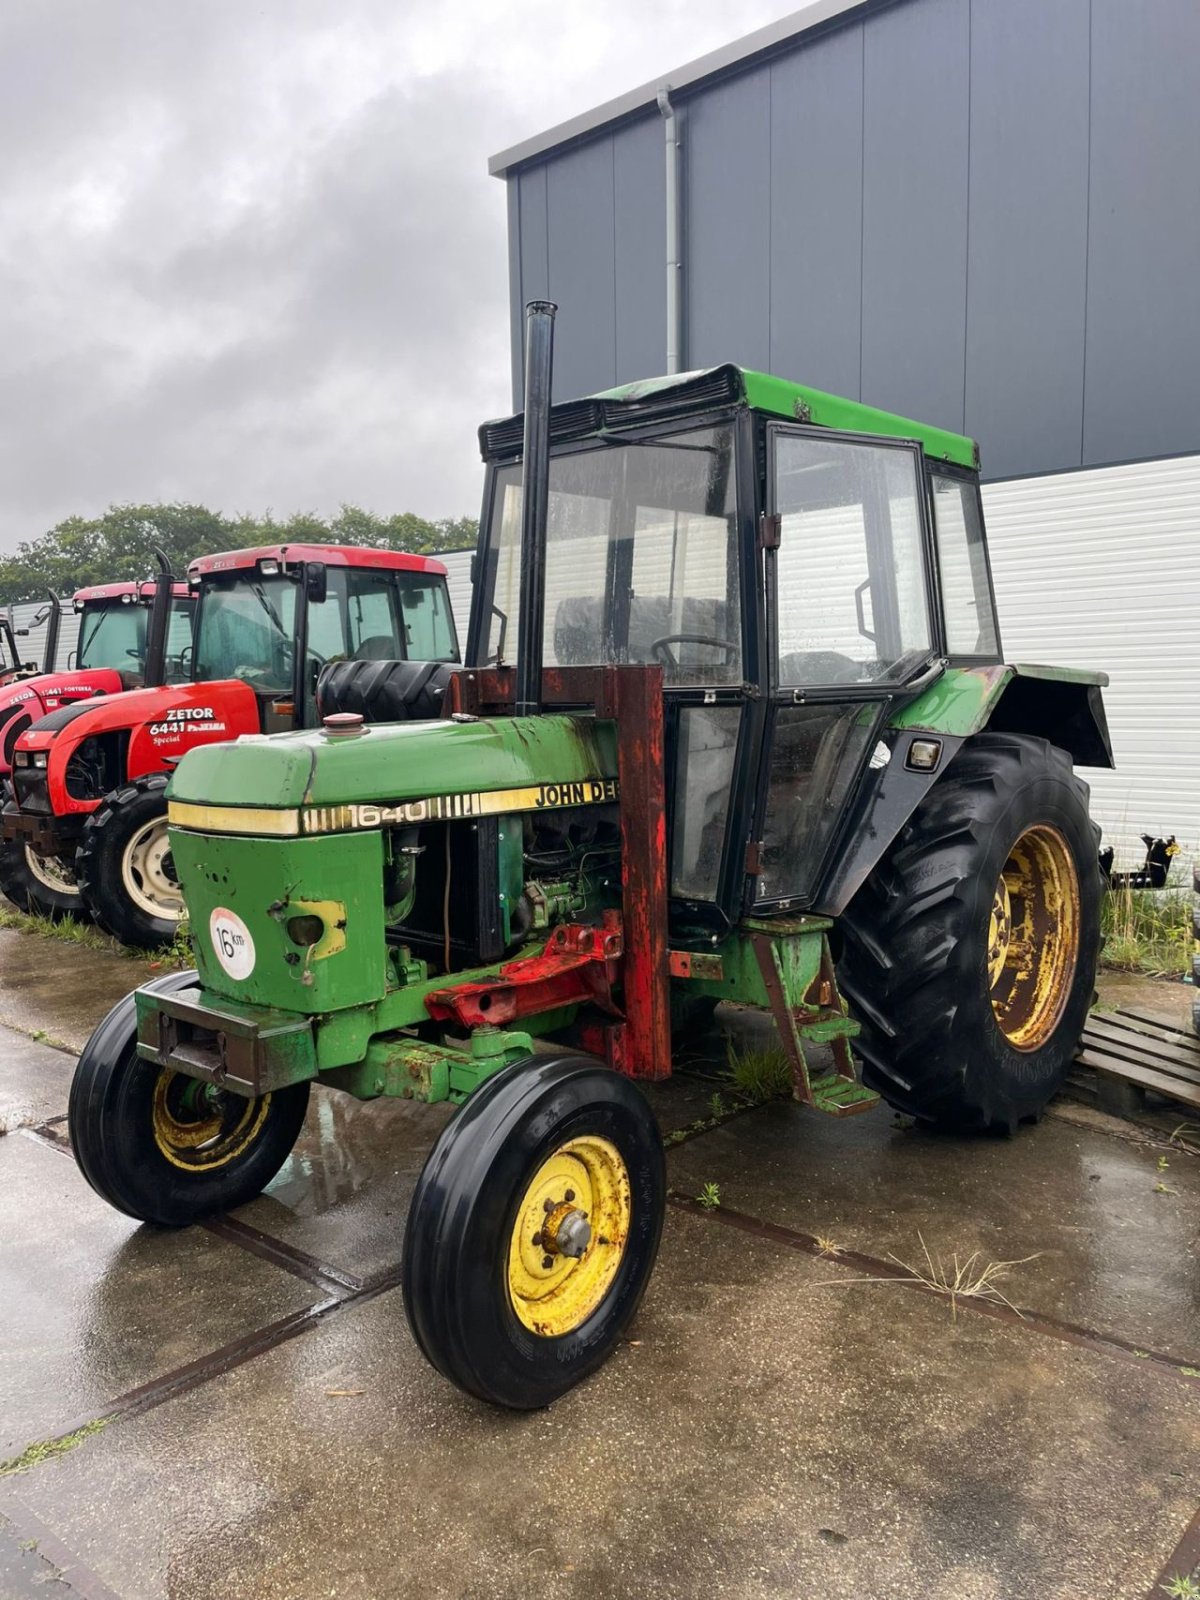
<point x="468" y="1214"/>
<point x="116" y="1125"/>
<point x="915" y="965"/>
<point x="30" y="881"/>
<point x="121" y="867"/>
<point x="384" y="691"/>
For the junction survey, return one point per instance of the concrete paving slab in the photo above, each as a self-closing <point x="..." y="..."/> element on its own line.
<point x="92" y="1305"/>
<point x="35" y="1081"/>
<point x="344" y="1193"/>
<point x="60" y="990"/>
<point x="765" y="1435"/>
<point x="1112" y="1253"/>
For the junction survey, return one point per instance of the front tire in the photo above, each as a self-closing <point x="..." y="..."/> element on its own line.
<point x="165" y="1148"/>
<point x="42" y="886"/>
<point x="124" y="868"/>
<point x="970" y="952"/>
<point x="496" y="1296"/>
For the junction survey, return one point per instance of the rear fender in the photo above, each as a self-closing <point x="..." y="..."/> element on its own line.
<point x="1061" y="704"/>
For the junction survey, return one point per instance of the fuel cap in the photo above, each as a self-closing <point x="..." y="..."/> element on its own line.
<point x="343" y="725"/>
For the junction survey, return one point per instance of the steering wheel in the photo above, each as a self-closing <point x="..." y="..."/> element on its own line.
<point x="662" y="647"/>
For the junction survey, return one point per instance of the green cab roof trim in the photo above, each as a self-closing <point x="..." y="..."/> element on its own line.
<point x="675" y="395"/>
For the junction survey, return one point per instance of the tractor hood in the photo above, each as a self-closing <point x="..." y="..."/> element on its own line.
<point x="396" y="773"/>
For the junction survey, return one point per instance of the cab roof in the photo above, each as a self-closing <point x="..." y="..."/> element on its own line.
<point x="118" y="591"/>
<point x="333" y="555"/>
<point x="655" y="399"/>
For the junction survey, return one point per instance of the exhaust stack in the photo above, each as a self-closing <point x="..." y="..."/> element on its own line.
<point x="535" y="502"/>
<point x="160" y="618"/>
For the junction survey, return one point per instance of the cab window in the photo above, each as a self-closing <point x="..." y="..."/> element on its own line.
<point x="967" y="605"/>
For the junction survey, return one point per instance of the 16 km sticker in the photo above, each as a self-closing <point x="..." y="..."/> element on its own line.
<point x="232" y="942"/>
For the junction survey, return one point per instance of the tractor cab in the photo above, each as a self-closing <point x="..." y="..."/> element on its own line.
<point x="115" y="632"/>
<point x="794" y="583"/>
<point x="275" y="616"/>
<point x="11" y="664"/>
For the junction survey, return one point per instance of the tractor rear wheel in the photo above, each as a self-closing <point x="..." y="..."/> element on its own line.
<point x="43" y="886"/>
<point x="166" y="1148"/>
<point x="124" y="865"/>
<point x="533" y="1230"/>
<point x="970" y="952"/>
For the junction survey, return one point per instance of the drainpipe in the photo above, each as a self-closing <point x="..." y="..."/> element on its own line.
<point x="674" y="232"/>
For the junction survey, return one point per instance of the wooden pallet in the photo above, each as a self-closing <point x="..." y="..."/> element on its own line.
<point x="1135" y="1055"/>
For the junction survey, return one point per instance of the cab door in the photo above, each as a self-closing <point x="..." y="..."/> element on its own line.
<point x="851" y="627"/>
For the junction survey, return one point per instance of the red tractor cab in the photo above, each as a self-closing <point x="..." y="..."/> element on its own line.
<point x="86" y="829"/>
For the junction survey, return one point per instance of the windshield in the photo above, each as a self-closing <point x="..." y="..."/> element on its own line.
<point x="641" y="558"/>
<point x="112" y="634"/>
<point x="246" y="628"/>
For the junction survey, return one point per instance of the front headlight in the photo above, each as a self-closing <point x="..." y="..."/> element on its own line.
<point x="22" y="759"/>
<point x="41" y="758"/>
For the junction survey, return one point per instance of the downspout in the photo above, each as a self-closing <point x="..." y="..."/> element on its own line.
<point x="674" y="232"/>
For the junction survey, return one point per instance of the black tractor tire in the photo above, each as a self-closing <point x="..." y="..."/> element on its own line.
<point x="123" y="866"/>
<point x="471" y="1208"/>
<point x="30" y="881"/>
<point x="123" y="1110"/>
<point x="920" y="937"/>
<point x="384" y="691"/>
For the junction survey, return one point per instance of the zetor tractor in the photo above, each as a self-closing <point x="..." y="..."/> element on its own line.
<point x="756" y="715"/>
<point x="90" y="780"/>
<point x="129" y="634"/>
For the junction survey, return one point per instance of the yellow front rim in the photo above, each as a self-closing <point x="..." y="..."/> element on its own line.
<point x="200" y="1128"/>
<point x="1033" y="937"/>
<point x="553" y="1292"/>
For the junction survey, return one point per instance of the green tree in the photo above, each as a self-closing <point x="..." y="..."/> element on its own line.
<point x="120" y="544"/>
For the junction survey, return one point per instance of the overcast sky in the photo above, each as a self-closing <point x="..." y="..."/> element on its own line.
<point x="250" y="254"/>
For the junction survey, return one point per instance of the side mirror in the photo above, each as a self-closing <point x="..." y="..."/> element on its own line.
<point x="316" y="584"/>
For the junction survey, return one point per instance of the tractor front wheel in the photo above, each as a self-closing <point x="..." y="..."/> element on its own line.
<point x="534" y="1229"/>
<point x="166" y="1148"/>
<point x="970" y="952"/>
<point x="43" y="886"/>
<point x="124" y="865"/>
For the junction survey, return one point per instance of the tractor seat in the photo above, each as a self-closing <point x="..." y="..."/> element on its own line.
<point x="379" y="647"/>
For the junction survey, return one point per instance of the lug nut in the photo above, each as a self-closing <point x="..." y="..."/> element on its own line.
<point x="547" y="1262"/>
<point x="547" y="1206"/>
<point x="537" y="1238"/>
<point x="570" y="1195"/>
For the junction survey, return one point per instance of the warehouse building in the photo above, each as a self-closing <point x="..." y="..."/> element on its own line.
<point x="981" y="213"/>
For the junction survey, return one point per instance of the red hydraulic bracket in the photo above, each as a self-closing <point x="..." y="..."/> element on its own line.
<point x="578" y="964"/>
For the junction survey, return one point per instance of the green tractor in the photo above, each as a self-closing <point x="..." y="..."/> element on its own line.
<point x="735" y="726"/>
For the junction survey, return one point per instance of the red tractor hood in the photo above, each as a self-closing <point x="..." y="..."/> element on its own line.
<point x="26" y="699"/>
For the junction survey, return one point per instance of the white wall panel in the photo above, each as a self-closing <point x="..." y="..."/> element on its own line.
<point x="1102" y="569"/>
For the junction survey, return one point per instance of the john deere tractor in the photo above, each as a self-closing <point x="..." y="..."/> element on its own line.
<point x="735" y="705"/>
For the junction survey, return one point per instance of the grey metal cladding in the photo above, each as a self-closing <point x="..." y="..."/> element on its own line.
<point x="727" y="184"/>
<point x="640" y="283"/>
<point x="915" y="84"/>
<point x="582" y="267"/>
<point x="1027" y="258"/>
<point x="816" y="212"/>
<point x="1142" y="393"/>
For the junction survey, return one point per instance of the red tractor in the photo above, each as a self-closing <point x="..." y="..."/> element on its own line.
<point x="90" y="779"/>
<point x="130" y="634"/>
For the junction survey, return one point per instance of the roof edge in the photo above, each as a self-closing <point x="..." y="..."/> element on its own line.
<point x="645" y="95"/>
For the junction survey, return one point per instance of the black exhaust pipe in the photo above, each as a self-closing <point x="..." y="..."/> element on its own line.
<point x="155" y="671"/>
<point x="535" y="503"/>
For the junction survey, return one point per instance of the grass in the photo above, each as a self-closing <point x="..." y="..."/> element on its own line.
<point x="1181" y="1587"/>
<point x="969" y="1279"/>
<point x="1147" y="930"/>
<point x="760" y="1074"/>
<point x="49" y="1449"/>
<point x="709" y="1197"/>
<point x="68" y="930"/>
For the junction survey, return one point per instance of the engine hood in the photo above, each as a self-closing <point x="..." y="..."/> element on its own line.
<point x="315" y="782"/>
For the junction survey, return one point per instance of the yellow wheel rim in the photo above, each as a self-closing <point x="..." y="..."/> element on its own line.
<point x="552" y="1291"/>
<point x="199" y="1127"/>
<point x="1033" y="937"/>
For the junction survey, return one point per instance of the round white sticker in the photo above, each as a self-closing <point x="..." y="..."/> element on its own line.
<point x="232" y="942"/>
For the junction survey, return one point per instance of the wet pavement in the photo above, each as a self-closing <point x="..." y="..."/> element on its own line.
<point x="240" y="1410"/>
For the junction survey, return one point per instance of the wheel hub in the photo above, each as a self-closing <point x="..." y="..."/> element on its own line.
<point x="566" y="1231"/>
<point x="1033" y="937"/>
<point x="148" y="872"/>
